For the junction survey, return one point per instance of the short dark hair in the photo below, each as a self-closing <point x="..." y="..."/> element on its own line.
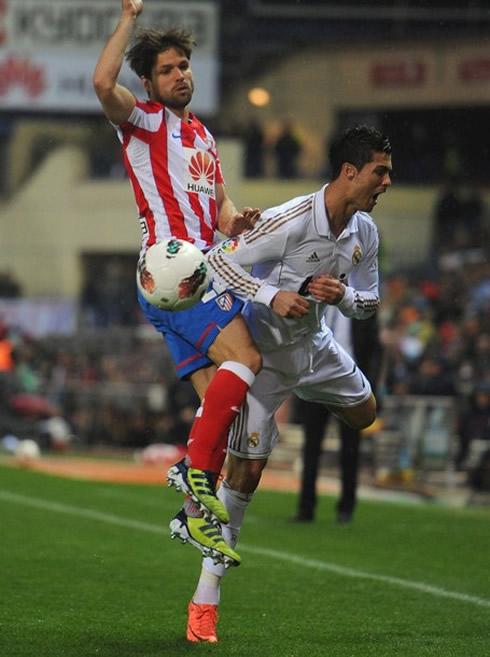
<point x="147" y="43"/>
<point x="357" y="146"/>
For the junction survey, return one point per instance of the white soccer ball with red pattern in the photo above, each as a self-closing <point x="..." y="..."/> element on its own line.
<point x="173" y="275"/>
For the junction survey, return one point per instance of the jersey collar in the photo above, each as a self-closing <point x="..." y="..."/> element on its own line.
<point x="321" y="218"/>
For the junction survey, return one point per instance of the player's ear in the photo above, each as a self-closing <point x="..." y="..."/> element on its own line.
<point x="349" y="170"/>
<point x="146" y="84"/>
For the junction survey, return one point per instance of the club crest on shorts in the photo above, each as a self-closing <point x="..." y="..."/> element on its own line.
<point x="356" y="255"/>
<point x="225" y="301"/>
<point x="254" y="439"/>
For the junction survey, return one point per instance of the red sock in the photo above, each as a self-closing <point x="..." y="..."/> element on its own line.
<point x="218" y="458"/>
<point x="195" y="424"/>
<point x="216" y="463"/>
<point x="220" y="406"/>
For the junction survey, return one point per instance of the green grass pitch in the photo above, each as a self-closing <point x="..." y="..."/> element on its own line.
<point x="88" y="569"/>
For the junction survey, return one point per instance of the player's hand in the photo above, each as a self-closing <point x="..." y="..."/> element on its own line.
<point x="328" y="289"/>
<point x="242" y="221"/>
<point x="290" y="304"/>
<point x="133" y="7"/>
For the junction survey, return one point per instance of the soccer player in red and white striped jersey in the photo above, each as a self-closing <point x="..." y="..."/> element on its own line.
<point x="173" y="165"/>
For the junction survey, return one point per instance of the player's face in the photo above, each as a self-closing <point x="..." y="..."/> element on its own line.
<point x="371" y="181"/>
<point x="171" y="81"/>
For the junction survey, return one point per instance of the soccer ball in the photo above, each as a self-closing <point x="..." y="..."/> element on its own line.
<point x="173" y="275"/>
<point x="27" y="451"/>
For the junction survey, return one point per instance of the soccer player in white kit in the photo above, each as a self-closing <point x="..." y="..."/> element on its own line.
<point x="310" y="252"/>
<point x="172" y="162"/>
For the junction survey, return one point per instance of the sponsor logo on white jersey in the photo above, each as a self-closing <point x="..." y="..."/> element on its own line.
<point x="313" y="258"/>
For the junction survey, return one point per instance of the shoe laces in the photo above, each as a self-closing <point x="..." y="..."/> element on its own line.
<point x="205" y="617"/>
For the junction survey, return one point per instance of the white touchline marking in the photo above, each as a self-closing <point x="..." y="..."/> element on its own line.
<point x="80" y="512"/>
<point x="131" y="497"/>
<point x="120" y="521"/>
<point x="352" y="572"/>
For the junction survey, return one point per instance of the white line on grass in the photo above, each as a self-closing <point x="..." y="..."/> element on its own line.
<point x="80" y="512"/>
<point x="120" y="521"/>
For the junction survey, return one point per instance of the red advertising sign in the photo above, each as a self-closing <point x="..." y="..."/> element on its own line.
<point x="398" y="74"/>
<point x="475" y="70"/>
<point x="49" y="48"/>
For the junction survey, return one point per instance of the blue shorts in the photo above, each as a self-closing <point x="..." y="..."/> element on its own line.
<point x="190" y="333"/>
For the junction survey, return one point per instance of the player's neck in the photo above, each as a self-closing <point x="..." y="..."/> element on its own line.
<point x="182" y="114"/>
<point x="338" y="210"/>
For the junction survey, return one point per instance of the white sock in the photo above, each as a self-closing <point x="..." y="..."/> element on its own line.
<point x="207" y="592"/>
<point x="236" y="503"/>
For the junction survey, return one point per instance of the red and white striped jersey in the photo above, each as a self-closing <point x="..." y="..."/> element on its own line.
<point x="174" y="167"/>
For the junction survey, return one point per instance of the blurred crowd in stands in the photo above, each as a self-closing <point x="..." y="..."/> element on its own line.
<point x="116" y="390"/>
<point x="113" y="385"/>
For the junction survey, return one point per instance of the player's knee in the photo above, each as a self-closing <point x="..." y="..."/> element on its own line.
<point x="366" y="421"/>
<point x="254" y="360"/>
<point x="250" y="357"/>
<point x="368" y="415"/>
<point x="362" y="416"/>
<point x="247" y="354"/>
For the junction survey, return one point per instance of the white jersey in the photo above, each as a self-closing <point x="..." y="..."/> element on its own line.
<point x="290" y="245"/>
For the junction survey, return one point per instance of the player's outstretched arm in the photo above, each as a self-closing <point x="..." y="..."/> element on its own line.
<point x="230" y="221"/>
<point x="117" y="101"/>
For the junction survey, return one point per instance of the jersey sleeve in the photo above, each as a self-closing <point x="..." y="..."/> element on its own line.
<point x="145" y="117"/>
<point x="231" y="260"/>
<point x="361" y="298"/>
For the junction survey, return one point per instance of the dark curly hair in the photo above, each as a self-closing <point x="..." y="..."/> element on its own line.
<point x="357" y="146"/>
<point x="147" y="43"/>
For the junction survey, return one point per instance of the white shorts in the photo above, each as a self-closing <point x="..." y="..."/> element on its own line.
<point x="317" y="371"/>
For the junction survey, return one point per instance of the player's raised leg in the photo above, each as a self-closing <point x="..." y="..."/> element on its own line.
<point x="222" y="397"/>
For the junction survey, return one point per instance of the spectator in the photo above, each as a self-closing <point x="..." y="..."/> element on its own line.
<point x="448" y="215"/>
<point x="475" y="423"/>
<point x="473" y="213"/>
<point x="287" y="150"/>
<point x="9" y="286"/>
<point x="432" y="378"/>
<point x="6" y="350"/>
<point x="253" y="139"/>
